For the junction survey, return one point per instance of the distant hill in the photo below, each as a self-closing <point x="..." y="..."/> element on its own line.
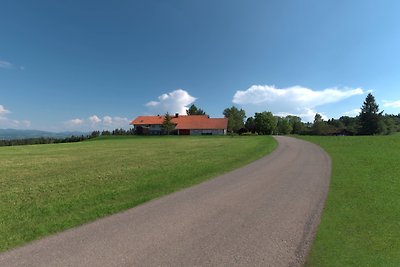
<point x="9" y="134"/>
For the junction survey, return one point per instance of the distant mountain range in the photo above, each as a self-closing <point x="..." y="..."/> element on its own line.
<point x="9" y="134"/>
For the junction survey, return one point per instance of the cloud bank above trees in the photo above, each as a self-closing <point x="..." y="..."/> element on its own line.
<point x="295" y="100"/>
<point x="173" y="102"/>
<point x="95" y="122"/>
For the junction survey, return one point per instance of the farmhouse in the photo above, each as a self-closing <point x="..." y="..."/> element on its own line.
<point x="184" y="125"/>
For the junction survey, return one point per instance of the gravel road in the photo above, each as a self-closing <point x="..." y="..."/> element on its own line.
<point x="264" y="214"/>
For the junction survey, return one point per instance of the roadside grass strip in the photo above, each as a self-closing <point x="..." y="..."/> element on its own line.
<point x="360" y="224"/>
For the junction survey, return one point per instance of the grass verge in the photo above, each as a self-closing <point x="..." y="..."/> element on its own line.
<point x="360" y="224"/>
<point x="49" y="188"/>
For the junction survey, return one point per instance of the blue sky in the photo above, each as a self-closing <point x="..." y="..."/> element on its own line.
<point x="83" y="65"/>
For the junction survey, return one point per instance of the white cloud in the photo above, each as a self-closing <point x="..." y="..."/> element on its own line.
<point x="173" y="102"/>
<point x="95" y="122"/>
<point x="76" y="121"/>
<point x="295" y="100"/>
<point x="306" y="114"/>
<point x="26" y="123"/>
<point x="115" y="122"/>
<point x="152" y="104"/>
<point x="14" y="124"/>
<point x="391" y="104"/>
<point x="3" y="110"/>
<point x="107" y="120"/>
<point x="302" y="96"/>
<point x="6" y="122"/>
<point x="94" y="119"/>
<point x="5" y="65"/>
<point x="121" y="122"/>
<point x="353" y="112"/>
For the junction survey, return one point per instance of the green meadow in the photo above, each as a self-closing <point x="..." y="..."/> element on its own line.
<point x="49" y="188"/>
<point x="360" y="224"/>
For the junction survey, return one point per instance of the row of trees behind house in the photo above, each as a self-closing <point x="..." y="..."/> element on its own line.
<point x="369" y="122"/>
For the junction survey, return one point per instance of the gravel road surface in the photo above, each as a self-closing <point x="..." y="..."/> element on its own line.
<point x="264" y="214"/>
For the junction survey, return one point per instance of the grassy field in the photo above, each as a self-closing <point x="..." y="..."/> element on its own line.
<point x="361" y="221"/>
<point x="49" y="188"/>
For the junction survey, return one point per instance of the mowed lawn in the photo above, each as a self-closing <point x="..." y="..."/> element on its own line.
<point x="49" y="188"/>
<point x="361" y="221"/>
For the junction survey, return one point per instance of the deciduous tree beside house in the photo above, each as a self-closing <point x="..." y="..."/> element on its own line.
<point x="283" y="126"/>
<point x="235" y="118"/>
<point x="265" y="122"/>
<point x="167" y="125"/>
<point x="250" y="125"/>
<point x="296" y="124"/>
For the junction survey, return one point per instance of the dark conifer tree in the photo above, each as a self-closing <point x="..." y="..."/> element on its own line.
<point x="370" y="118"/>
<point x="193" y="110"/>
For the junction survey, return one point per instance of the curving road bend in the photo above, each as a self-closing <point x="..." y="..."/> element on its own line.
<point x="264" y="214"/>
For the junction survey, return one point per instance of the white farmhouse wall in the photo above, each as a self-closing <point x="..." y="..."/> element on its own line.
<point x="206" y="131"/>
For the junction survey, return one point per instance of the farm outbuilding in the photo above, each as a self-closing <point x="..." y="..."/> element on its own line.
<point x="184" y="125"/>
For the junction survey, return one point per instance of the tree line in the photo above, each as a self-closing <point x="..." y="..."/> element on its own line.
<point x="370" y="121"/>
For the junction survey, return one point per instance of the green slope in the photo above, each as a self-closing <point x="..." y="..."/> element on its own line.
<point x="49" y="188"/>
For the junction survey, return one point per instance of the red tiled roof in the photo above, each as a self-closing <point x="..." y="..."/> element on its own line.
<point x="200" y="122"/>
<point x="143" y="120"/>
<point x="185" y="122"/>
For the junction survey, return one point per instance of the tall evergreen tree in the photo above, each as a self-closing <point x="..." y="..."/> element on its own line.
<point x="370" y="118"/>
<point x="193" y="110"/>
